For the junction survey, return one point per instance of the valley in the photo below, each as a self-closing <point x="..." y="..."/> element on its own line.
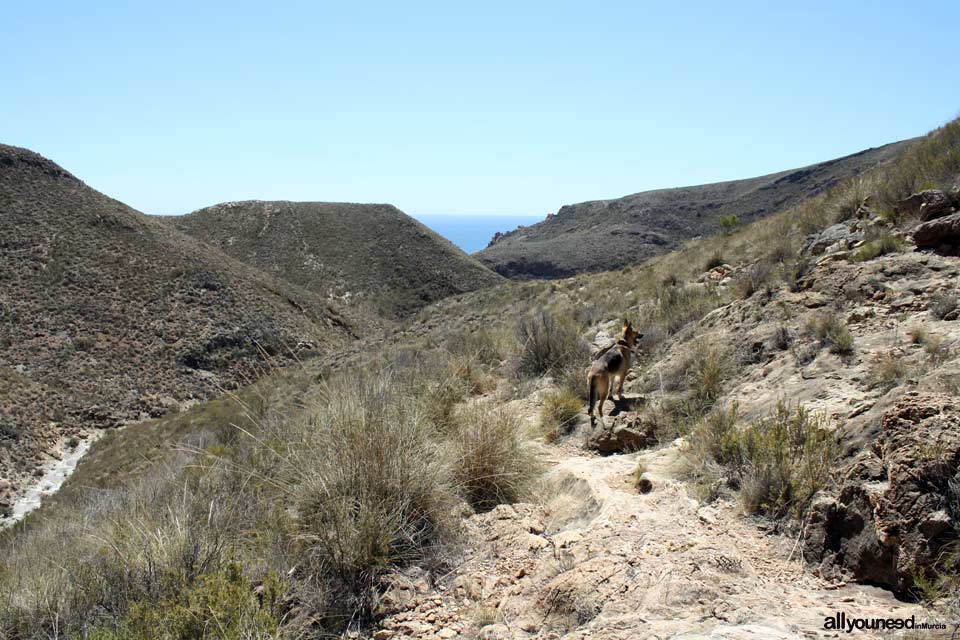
<point x="337" y="424"/>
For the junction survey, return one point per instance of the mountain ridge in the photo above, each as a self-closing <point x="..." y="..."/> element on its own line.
<point x="599" y="235"/>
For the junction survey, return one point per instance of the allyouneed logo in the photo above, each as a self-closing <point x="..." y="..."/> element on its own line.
<point x="840" y="621"/>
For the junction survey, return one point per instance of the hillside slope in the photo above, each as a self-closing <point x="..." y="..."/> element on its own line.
<point x="371" y="254"/>
<point x="108" y="315"/>
<point x="609" y="234"/>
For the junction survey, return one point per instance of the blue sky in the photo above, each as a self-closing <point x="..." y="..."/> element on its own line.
<point x="496" y="108"/>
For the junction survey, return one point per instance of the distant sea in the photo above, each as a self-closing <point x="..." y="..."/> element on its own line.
<point x="473" y="232"/>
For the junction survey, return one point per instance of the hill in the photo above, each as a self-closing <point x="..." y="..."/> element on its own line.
<point x="108" y="316"/>
<point x="373" y="255"/>
<point x="609" y="234"/>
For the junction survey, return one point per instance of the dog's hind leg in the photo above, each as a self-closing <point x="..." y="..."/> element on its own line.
<point x="603" y="386"/>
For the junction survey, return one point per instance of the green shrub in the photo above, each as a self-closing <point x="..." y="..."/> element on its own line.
<point x="729" y="223"/>
<point x="778" y="463"/>
<point x="492" y="463"/>
<point x="882" y="245"/>
<point x="559" y="413"/>
<point x="218" y="605"/>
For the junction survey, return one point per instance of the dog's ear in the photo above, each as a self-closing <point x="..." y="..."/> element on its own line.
<point x="626" y="323"/>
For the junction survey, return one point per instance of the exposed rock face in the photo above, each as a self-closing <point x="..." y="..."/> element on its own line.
<point x="898" y="501"/>
<point x="942" y="231"/>
<point x="929" y="204"/>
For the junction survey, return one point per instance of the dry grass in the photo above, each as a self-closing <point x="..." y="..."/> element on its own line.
<point x="832" y="333"/>
<point x="493" y="464"/>
<point x="312" y="504"/>
<point x="887" y="370"/>
<point x="559" y="413"/>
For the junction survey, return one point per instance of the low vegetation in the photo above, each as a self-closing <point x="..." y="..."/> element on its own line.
<point x="559" y="414"/>
<point x="776" y="463"/>
<point x="283" y="524"/>
<point x="883" y="244"/>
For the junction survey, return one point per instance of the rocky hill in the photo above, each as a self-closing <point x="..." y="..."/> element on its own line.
<point x="108" y="316"/>
<point x="371" y="255"/>
<point x="608" y="234"/>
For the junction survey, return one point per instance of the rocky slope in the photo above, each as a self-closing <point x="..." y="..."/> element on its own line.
<point x="372" y="255"/>
<point x="608" y="234"/>
<point x="108" y="316"/>
<point x="598" y="554"/>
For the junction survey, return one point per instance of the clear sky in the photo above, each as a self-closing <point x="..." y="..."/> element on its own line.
<point x="462" y="108"/>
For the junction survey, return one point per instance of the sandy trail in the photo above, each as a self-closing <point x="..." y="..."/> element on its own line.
<point x="596" y="559"/>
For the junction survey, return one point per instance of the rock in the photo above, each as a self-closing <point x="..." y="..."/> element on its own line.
<point x="837" y="237"/>
<point x="628" y="432"/>
<point x="927" y="205"/>
<point x="383" y="634"/>
<point x="942" y="231"/>
<point x="890" y="519"/>
<point x="494" y="632"/>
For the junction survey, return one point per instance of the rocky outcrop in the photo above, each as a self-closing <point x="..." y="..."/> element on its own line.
<point x="938" y="232"/>
<point x="838" y="237"/>
<point x="898" y="500"/>
<point x="626" y="432"/>
<point x="929" y="204"/>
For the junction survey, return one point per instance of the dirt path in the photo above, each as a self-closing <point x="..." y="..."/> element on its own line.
<point x="596" y="559"/>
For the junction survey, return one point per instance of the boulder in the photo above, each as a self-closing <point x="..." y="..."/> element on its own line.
<point x="927" y="205"/>
<point x="628" y="431"/>
<point x="938" y="232"/>
<point x="898" y="499"/>
<point x="838" y="237"/>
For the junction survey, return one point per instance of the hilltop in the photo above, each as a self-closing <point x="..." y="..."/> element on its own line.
<point x="600" y="235"/>
<point x="371" y="255"/>
<point x="109" y="316"/>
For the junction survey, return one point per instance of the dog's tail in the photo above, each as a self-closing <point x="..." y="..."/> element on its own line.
<point x="593" y="394"/>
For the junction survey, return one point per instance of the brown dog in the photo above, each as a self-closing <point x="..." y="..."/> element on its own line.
<point x="614" y="363"/>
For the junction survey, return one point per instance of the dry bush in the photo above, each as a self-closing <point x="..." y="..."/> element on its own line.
<point x="943" y="304"/>
<point x="548" y="345"/>
<point x="832" y="333"/>
<point x="887" y="370"/>
<point x="676" y="304"/>
<point x="492" y="464"/>
<point x="757" y="277"/>
<point x="371" y="482"/>
<point x="559" y="413"/>
<point x="159" y="554"/>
